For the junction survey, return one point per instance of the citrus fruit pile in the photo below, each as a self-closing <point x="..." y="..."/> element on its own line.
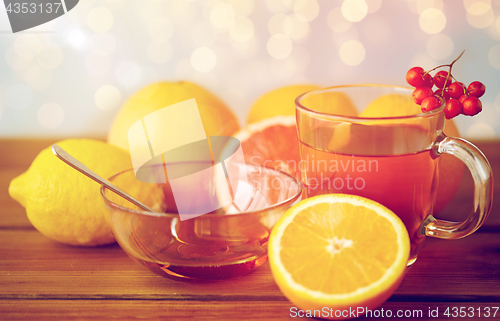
<point x="337" y="251"/>
<point x="66" y="206"/>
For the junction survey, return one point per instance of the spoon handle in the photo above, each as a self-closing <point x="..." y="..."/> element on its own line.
<point x="73" y="162"/>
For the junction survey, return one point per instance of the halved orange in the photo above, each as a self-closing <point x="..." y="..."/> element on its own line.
<point x="338" y="252"/>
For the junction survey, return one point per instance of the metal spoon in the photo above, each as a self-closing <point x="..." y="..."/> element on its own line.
<point x="73" y="162"/>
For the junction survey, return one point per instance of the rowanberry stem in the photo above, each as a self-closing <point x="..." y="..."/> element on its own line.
<point x="457" y="58"/>
<point x="448" y="65"/>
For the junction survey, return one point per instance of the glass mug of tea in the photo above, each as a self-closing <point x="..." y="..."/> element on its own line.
<point x="373" y="141"/>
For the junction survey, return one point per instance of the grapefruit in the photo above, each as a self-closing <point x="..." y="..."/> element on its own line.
<point x="271" y="143"/>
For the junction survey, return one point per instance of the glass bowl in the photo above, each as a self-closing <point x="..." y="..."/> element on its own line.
<point x="221" y="244"/>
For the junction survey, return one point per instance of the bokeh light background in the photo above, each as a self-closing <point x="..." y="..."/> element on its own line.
<point x="68" y="77"/>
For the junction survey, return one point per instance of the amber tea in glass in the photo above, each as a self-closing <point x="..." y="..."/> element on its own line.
<point x="392" y="160"/>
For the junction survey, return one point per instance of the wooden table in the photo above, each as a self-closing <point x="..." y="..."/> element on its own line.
<point x="40" y="278"/>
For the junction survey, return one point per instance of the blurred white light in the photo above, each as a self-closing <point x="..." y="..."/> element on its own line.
<point x="242" y="8"/>
<point x="480" y="131"/>
<point x="283" y="69"/>
<point x="203" y="34"/>
<point x="412" y="5"/>
<point x="182" y="13"/>
<point x="115" y="2"/>
<point x="275" y="24"/>
<point x="354" y="10"/>
<point x="97" y="64"/>
<point x="279" y="46"/>
<point x="351" y="34"/>
<point x="497" y="24"/>
<point x="149" y="10"/>
<point x="306" y="10"/>
<point x="160" y="29"/>
<point x="76" y="38"/>
<point x="337" y="22"/>
<point x="100" y="19"/>
<point x="222" y="36"/>
<point x="28" y="45"/>
<point x="277" y="6"/>
<point x="0" y="112"/>
<point x="107" y="97"/>
<point x="439" y="46"/>
<point x="497" y="103"/>
<point x="203" y="59"/>
<point x="247" y="49"/>
<point x="103" y="44"/>
<point x="129" y="74"/>
<point x="32" y="72"/>
<point x="18" y="97"/>
<point x="374" y="5"/>
<point x="183" y="69"/>
<point x="477" y="7"/>
<point x="423" y="5"/>
<point x="50" y="56"/>
<point x="87" y="3"/>
<point x="50" y="115"/>
<point x="432" y="21"/>
<point x="301" y="58"/>
<point x="15" y="61"/>
<point x="254" y="71"/>
<point x="423" y="60"/>
<point x="159" y="51"/>
<point x="222" y="15"/>
<point x="236" y="97"/>
<point x="494" y="56"/>
<point x="352" y="52"/>
<point x="482" y="20"/>
<point x="295" y="28"/>
<point x="37" y="78"/>
<point x="242" y="30"/>
<point x="377" y="30"/>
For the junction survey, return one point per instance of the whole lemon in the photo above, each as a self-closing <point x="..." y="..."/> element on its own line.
<point x="62" y="203"/>
<point x="281" y="102"/>
<point x="217" y="118"/>
<point x="391" y="105"/>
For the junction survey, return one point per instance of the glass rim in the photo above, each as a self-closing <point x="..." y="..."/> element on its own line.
<point x="115" y="206"/>
<point x="300" y="106"/>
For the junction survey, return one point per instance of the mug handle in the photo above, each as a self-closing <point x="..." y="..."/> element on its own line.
<point x="482" y="175"/>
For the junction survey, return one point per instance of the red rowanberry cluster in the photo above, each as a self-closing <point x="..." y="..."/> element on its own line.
<point x="458" y="98"/>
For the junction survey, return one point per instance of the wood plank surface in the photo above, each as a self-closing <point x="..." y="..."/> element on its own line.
<point x="42" y="279"/>
<point x="216" y="310"/>
<point x="107" y="272"/>
<point x="14" y="214"/>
